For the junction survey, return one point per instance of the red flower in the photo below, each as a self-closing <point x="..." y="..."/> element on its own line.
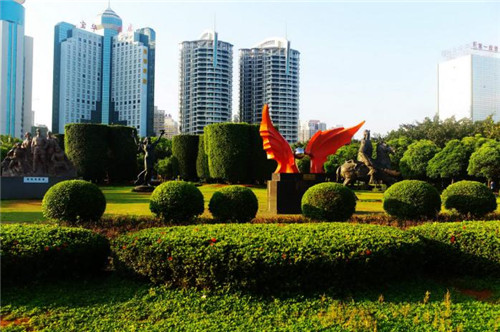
<point x="283" y="256"/>
<point x="453" y="239"/>
<point x="368" y="252"/>
<point x="124" y="247"/>
<point x="158" y="241"/>
<point x="213" y="240"/>
<point x="211" y="243"/>
<point x="170" y="258"/>
<point x="46" y="248"/>
<point x="463" y="227"/>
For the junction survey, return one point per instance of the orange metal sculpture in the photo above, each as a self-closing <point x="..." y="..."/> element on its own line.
<point x="320" y="146"/>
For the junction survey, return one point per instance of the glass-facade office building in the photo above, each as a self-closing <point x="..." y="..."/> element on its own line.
<point x="16" y="71"/>
<point x="469" y="84"/>
<point x="205" y="92"/>
<point x="103" y="78"/>
<point x="269" y="73"/>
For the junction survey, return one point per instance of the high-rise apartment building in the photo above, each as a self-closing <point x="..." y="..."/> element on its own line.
<point x="269" y="73"/>
<point x="158" y="121"/>
<point x="469" y="83"/>
<point x="171" y="127"/>
<point x="309" y="128"/>
<point x="16" y="70"/>
<point x="206" y="71"/>
<point x="105" y="77"/>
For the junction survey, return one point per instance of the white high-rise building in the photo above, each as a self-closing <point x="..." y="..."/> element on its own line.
<point x="206" y="76"/>
<point x="171" y="127"/>
<point x="269" y="73"/>
<point x="159" y="121"/>
<point x="469" y="83"/>
<point x="16" y="70"/>
<point x="309" y="128"/>
<point x="105" y="77"/>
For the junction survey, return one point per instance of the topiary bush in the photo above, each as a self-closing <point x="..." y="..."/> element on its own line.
<point x="227" y="147"/>
<point x="304" y="165"/>
<point x="74" y="200"/>
<point x="185" y="149"/>
<point x="469" y="197"/>
<point x="328" y="201"/>
<point x="259" y="167"/>
<point x="86" y="145"/>
<point x="202" y="161"/>
<point x="31" y="252"/>
<point x="410" y="199"/>
<point x="122" y="164"/>
<point x="168" y="168"/>
<point x="234" y="204"/>
<point x="269" y="256"/>
<point x="466" y="248"/>
<point x="176" y="201"/>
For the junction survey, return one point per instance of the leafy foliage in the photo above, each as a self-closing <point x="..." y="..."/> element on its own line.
<point x="202" y="161"/>
<point x="413" y="165"/>
<point x="343" y="154"/>
<point x="485" y="162"/>
<point x="450" y="162"/>
<point x="185" y="149"/>
<point x="234" y="204"/>
<point x="176" y="201"/>
<point x="168" y="168"/>
<point x="268" y="256"/>
<point x="30" y="252"/>
<point x="227" y="146"/>
<point x="467" y="248"/>
<point x="400" y="145"/>
<point x="87" y="147"/>
<point x="304" y="165"/>
<point x="328" y="201"/>
<point x="7" y="142"/>
<point x="469" y="197"/>
<point x="410" y="199"/>
<point x="73" y="201"/>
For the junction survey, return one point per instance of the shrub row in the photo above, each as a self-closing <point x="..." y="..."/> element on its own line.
<point x="30" y="252"/>
<point x="99" y="150"/>
<point x="268" y="256"/>
<point x="185" y="149"/>
<point x="470" y="248"/>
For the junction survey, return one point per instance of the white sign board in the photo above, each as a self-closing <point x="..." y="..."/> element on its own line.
<point x="36" y="179"/>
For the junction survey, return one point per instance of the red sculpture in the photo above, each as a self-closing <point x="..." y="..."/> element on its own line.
<point x="320" y="146"/>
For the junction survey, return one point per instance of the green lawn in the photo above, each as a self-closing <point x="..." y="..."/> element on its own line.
<point x="110" y="303"/>
<point x="121" y="200"/>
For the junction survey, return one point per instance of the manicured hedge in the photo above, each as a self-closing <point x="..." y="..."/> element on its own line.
<point x="168" y="168"/>
<point x="73" y="201"/>
<point x="228" y="149"/>
<point x="410" y="199"/>
<point x="260" y="168"/>
<point x="122" y="164"/>
<point x="87" y="147"/>
<point x="234" y="204"/>
<point x="469" y="197"/>
<point x="185" y="149"/>
<point x="30" y="252"/>
<point x="328" y="201"/>
<point x="466" y="248"/>
<point x="176" y="201"/>
<point x="202" y="161"/>
<point x="270" y="255"/>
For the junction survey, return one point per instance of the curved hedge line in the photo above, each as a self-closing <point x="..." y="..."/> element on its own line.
<point x="122" y="154"/>
<point x="86" y="145"/>
<point x="185" y="149"/>
<point x="470" y="248"/>
<point x="228" y="149"/>
<point x="29" y="252"/>
<point x="268" y="256"/>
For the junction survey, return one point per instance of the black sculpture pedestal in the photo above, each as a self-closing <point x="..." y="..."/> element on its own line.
<point x="143" y="189"/>
<point x="28" y="187"/>
<point x="285" y="191"/>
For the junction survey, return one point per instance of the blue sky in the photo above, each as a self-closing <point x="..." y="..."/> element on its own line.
<point x="373" y="61"/>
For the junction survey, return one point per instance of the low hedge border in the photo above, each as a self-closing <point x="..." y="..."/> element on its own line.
<point x="464" y="248"/>
<point x="267" y="256"/>
<point x="31" y="252"/>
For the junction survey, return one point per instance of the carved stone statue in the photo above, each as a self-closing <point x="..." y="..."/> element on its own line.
<point x="367" y="169"/>
<point x="144" y="177"/>
<point x="39" y="146"/>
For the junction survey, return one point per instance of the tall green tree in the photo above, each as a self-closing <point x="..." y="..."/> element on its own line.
<point x="449" y="163"/>
<point x="343" y="154"/>
<point x="413" y="165"/>
<point x="400" y="145"/>
<point x="485" y="162"/>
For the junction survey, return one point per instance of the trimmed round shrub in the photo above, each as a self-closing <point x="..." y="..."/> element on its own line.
<point x="87" y="147"/>
<point x="31" y="252"/>
<point x="234" y="204"/>
<point x="410" y="199"/>
<point x="185" y="149"/>
<point x="329" y="201"/>
<point x="168" y="168"/>
<point x="469" y="197"/>
<point x="269" y="256"/>
<point x="73" y="201"/>
<point x="465" y="248"/>
<point x="176" y="201"/>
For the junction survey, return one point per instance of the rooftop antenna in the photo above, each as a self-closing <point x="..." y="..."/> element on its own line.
<point x="109" y="3"/>
<point x="286" y="30"/>
<point x="215" y="21"/>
